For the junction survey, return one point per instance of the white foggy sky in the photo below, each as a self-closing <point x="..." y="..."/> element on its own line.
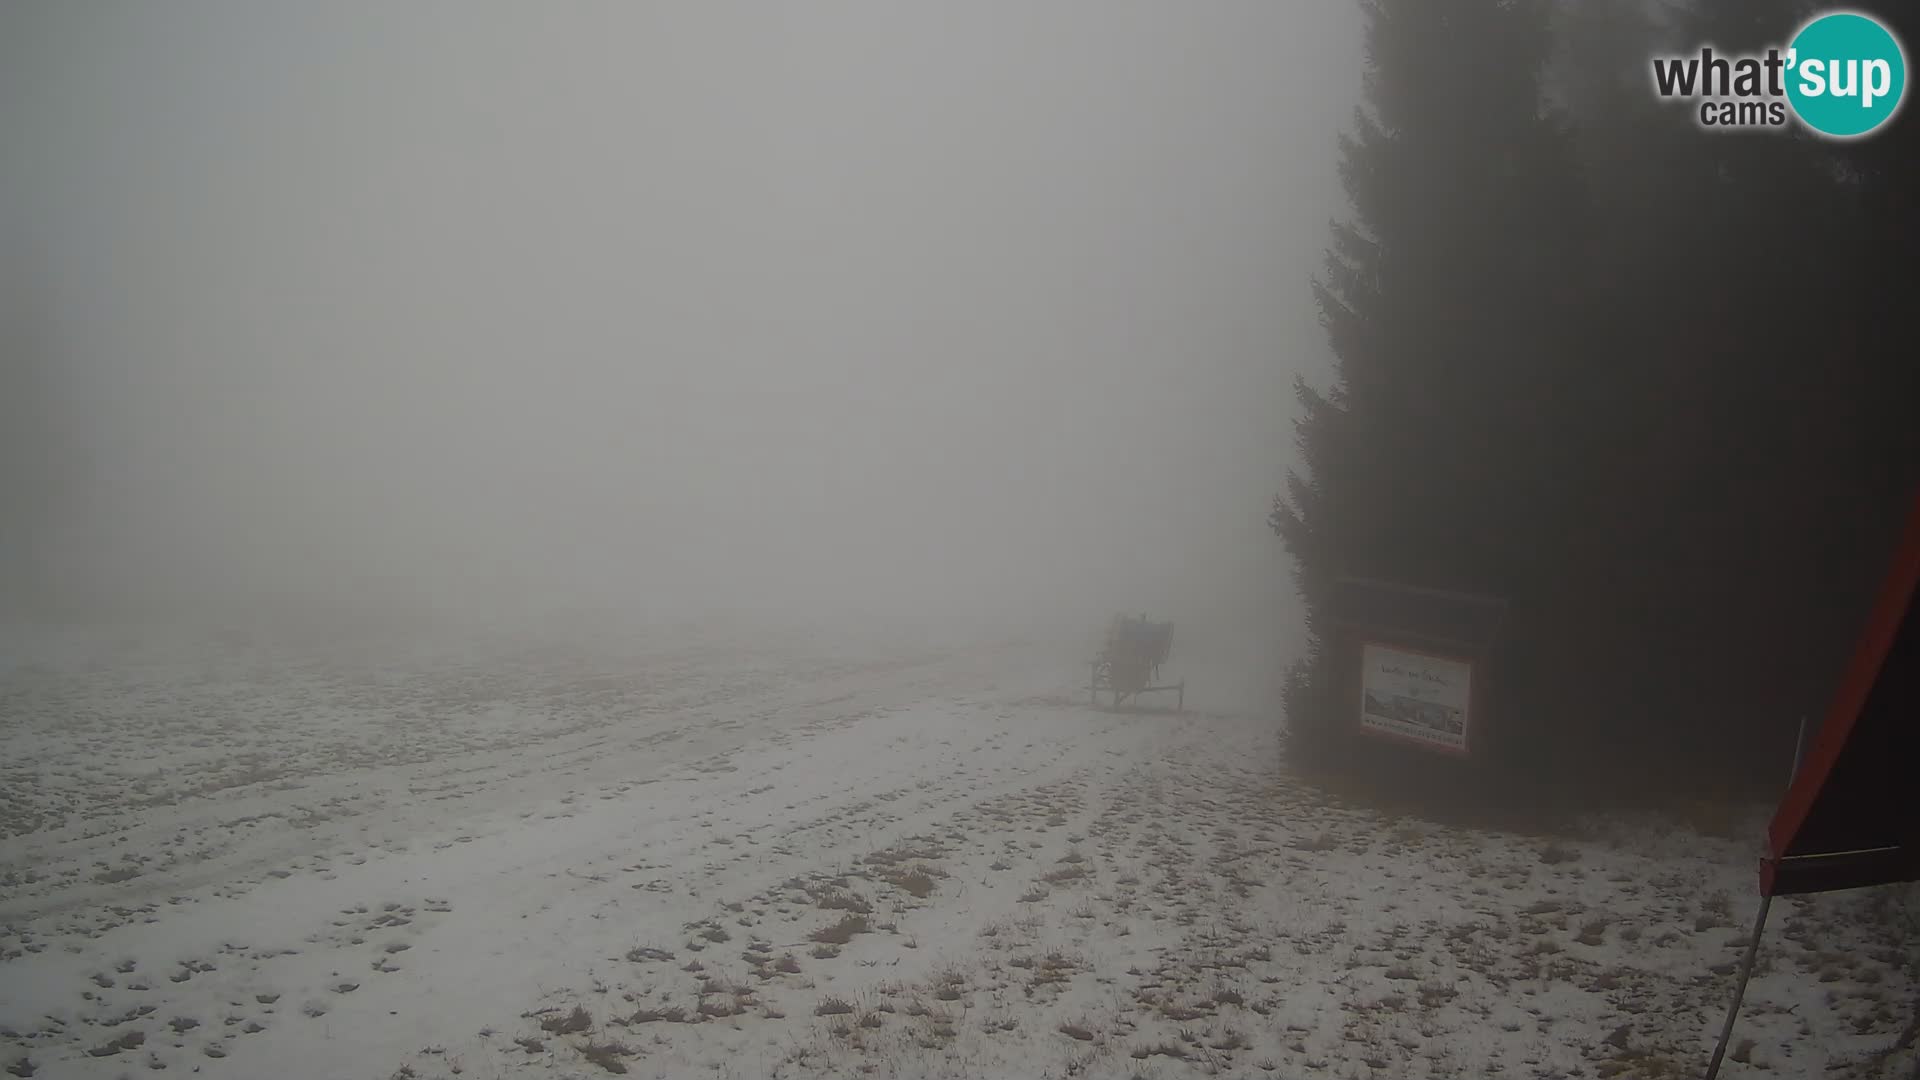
<point x="991" y="307"/>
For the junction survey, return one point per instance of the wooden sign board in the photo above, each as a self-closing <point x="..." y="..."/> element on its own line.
<point x="1412" y="663"/>
<point x="1417" y="697"/>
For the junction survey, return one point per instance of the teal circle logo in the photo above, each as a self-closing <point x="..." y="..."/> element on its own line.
<point x="1846" y="75"/>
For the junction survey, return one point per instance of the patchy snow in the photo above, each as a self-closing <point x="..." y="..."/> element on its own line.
<point x="680" y="856"/>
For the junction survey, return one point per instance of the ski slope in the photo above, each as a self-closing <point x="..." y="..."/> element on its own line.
<point x="675" y="856"/>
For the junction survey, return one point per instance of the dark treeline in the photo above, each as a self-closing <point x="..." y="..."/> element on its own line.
<point x="1656" y="386"/>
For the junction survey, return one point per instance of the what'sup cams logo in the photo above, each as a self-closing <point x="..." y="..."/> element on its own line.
<point x="1844" y="75"/>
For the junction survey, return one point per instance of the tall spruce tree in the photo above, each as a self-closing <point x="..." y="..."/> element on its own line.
<point x="1433" y="458"/>
<point x="1687" y="425"/>
<point x="1761" y="372"/>
<point x="1651" y="383"/>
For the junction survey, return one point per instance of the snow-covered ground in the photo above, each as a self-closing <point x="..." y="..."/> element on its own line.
<point x="683" y="856"/>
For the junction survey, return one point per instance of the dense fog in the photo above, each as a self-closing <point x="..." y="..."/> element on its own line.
<point x="502" y="311"/>
<point x="580" y="538"/>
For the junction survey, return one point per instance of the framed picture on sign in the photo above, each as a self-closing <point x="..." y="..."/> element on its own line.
<point x="1416" y="696"/>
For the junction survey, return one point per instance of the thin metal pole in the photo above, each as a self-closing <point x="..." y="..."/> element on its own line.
<point x="1799" y="750"/>
<point x="1740" y="990"/>
<point x="1753" y="943"/>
